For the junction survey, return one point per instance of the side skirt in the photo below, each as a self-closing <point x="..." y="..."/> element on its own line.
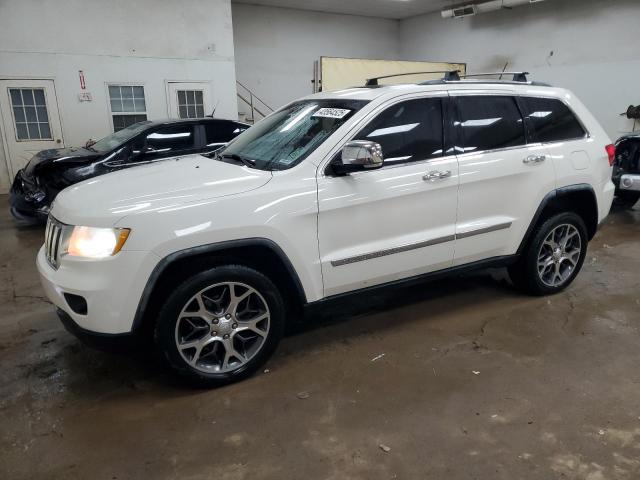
<point x="494" y="262"/>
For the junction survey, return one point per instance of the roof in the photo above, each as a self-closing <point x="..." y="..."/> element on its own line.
<point x="369" y="93"/>
<point x="173" y="121"/>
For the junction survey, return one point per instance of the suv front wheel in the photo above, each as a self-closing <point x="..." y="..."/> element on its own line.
<point x="221" y="325"/>
<point x="554" y="256"/>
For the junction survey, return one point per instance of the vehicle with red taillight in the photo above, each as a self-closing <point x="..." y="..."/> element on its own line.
<point x="626" y="169"/>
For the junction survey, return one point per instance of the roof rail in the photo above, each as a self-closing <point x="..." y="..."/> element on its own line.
<point x="455" y="76"/>
<point x="517" y="76"/>
<point x="373" y="82"/>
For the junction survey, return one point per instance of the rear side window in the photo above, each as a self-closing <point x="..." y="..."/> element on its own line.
<point x="220" y="133"/>
<point x="550" y="120"/>
<point x="407" y="131"/>
<point x="490" y="122"/>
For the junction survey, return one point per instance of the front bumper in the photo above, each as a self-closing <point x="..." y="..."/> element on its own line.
<point x="112" y="288"/>
<point x="629" y="182"/>
<point x="28" y="202"/>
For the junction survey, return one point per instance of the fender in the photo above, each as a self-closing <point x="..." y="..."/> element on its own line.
<point x="212" y="249"/>
<point x="548" y="201"/>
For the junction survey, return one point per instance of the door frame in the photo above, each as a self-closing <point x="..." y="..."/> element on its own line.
<point x="167" y="87"/>
<point x="3" y="133"/>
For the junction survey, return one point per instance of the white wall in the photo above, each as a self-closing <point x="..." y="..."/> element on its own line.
<point x="275" y="47"/>
<point x="142" y="41"/>
<point x="595" y="45"/>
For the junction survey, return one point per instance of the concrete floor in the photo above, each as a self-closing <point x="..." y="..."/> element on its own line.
<point x="462" y="379"/>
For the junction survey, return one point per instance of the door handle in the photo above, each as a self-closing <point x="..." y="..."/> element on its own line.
<point x="436" y="175"/>
<point x="534" y="159"/>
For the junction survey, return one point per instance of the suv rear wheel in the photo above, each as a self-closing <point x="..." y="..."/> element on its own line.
<point x="554" y="256"/>
<point x="221" y="325"/>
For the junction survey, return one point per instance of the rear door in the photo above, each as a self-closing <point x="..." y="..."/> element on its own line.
<point x="502" y="178"/>
<point x="398" y="221"/>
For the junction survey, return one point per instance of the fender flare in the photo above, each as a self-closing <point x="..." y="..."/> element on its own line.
<point x="212" y="248"/>
<point x="547" y="200"/>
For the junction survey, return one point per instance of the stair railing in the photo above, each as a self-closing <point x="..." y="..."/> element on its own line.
<point x="255" y="103"/>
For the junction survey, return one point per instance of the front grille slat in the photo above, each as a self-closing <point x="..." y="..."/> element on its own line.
<point x="52" y="240"/>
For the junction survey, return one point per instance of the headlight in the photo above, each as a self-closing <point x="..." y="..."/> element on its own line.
<point x="91" y="242"/>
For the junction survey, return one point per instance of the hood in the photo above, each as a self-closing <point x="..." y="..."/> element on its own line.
<point x="104" y="200"/>
<point x="60" y="155"/>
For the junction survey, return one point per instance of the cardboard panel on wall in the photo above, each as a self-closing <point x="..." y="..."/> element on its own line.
<point x="340" y="73"/>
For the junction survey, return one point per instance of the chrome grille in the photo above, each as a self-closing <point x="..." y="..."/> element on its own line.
<point x="52" y="240"/>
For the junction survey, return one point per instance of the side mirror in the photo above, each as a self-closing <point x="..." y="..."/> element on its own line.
<point x="358" y="155"/>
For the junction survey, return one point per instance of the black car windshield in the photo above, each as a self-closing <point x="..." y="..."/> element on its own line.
<point x="116" y="139"/>
<point x="291" y="134"/>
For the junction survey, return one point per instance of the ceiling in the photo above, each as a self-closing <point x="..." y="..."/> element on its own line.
<point x="371" y="8"/>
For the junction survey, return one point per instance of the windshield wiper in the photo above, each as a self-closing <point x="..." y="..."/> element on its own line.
<point x="238" y="158"/>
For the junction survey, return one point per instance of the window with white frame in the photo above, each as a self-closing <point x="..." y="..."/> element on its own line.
<point x="128" y="105"/>
<point x="190" y="104"/>
<point x="30" y="114"/>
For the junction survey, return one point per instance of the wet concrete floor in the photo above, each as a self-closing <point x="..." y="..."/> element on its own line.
<point x="459" y="379"/>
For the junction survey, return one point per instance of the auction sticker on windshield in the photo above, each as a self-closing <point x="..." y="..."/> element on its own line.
<point x="331" y="112"/>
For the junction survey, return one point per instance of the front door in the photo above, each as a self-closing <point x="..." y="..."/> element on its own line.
<point x="397" y="221"/>
<point x="30" y="120"/>
<point x="189" y="99"/>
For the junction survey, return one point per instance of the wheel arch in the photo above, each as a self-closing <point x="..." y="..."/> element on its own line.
<point x="260" y="253"/>
<point x="578" y="198"/>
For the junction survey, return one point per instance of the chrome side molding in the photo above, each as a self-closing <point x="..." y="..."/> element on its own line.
<point x="414" y="246"/>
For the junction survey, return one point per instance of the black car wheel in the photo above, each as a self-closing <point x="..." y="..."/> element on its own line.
<point x="553" y="257"/>
<point x="221" y="325"/>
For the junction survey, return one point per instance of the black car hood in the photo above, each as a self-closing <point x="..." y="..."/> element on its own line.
<point x="60" y="155"/>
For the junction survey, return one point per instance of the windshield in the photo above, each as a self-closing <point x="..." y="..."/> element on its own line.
<point x="116" y="139"/>
<point x="291" y="134"/>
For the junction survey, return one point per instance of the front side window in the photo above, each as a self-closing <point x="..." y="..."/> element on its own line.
<point x="171" y="139"/>
<point x="288" y="136"/>
<point x="408" y="131"/>
<point x="128" y="105"/>
<point x="550" y="120"/>
<point x="489" y="123"/>
<point x="220" y="133"/>
<point x="113" y="141"/>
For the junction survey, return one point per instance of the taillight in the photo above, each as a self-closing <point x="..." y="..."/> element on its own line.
<point x="611" y="151"/>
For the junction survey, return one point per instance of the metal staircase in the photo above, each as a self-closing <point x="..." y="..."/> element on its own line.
<point x="256" y="104"/>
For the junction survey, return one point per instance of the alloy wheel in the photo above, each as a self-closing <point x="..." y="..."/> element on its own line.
<point x="222" y="327"/>
<point x="559" y="255"/>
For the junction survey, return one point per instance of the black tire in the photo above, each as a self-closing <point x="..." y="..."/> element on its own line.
<point x="627" y="199"/>
<point x="524" y="274"/>
<point x="165" y="330"/>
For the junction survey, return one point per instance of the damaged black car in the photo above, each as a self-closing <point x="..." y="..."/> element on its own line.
<point x="50" y="171"/>
<point x="626" y="170"/>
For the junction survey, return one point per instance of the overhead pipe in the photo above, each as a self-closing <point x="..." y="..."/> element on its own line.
<point x="473" y="8"/>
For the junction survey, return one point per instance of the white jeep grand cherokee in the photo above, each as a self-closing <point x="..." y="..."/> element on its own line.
<point x="337" y="193"/>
